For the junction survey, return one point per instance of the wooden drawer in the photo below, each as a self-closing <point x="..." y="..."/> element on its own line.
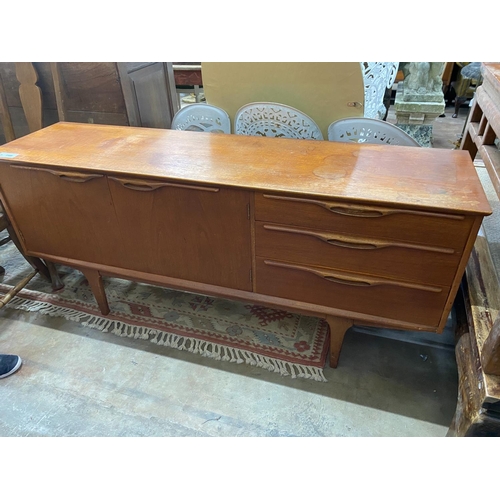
<point x="428" y="228"/>
<point x="397" y="300"/>
<point x="392" y="259"/>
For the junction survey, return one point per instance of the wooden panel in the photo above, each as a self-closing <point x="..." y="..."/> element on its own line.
<point x="151" y="91"/>
<point x="30" y="94"/>
<point x="352" y="292"/>
<point x="92" y="87"/>
<point x="97" y="117"/>
<point x="45" y="82"/>
<point x="420" y="263"/>
<point x="188" y="232"/>
<point x="444" y="230"/>
<point x="419" y="178"/>
<point x="59" y="91"/>
<point x="63" y="214"/>
<point x="5" y="118"/>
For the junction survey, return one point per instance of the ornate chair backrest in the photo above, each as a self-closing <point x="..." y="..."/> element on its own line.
<point x="370" y="131"/>
<point x="272" y="119"/>
<point x="202" y="118"/>
<point x="377" y="76"/>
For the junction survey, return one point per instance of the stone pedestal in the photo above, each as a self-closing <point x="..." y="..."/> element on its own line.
<point x="420" y="100"/>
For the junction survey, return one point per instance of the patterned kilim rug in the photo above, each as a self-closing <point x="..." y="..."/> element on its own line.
<point x="289" y="344"/>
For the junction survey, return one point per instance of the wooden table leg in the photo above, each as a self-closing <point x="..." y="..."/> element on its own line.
<point x="97" y="287"/>
<point x="338" y="328"/>
<point x="46" y="269"/>
<point x="57" y="283"/>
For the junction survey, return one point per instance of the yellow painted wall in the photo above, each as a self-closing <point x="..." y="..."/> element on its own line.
<point x="321" y="90"/>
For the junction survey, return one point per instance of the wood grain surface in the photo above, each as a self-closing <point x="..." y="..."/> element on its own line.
<point x="421" y="178"/>
<point x="349" y="232"/>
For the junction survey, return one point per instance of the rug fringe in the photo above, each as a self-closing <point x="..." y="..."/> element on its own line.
<point x="169" y="339"/>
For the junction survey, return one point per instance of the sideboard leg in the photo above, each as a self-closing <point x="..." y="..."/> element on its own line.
<point x="97" y="287"/>
<point x="338" y="328"/>
<point x="57" y="283"/>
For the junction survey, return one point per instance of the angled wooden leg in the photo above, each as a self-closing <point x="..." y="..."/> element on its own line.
<point x="97" y="287"/>
<point x="338" y="328"/>
<point x="57" y="283"/>
<point x="46" y="269"/>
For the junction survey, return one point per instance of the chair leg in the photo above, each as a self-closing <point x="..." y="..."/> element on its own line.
<point x="458" y="102"/>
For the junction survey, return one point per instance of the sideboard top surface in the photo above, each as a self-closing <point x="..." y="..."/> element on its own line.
<point x="394" y="175"/>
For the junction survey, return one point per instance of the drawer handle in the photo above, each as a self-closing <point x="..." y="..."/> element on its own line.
<point x="138" y="185"/>
<point x="74" y="177"/>
<point x="357" y="243"/>
<point x="352" y="280"/>
<point x="352" y="244"/>
<point x="361" y="211"/>
<point x="354" y="212"/>
<point x="66" y="176"/>
<point x="341" y="281"/>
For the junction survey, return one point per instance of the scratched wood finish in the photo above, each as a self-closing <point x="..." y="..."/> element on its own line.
<point x="478" y="405"/>
<point x="187" y="210"/>
<point x="482" y="307"/>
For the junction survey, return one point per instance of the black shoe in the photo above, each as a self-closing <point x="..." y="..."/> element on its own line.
<point x="9" y="364"/>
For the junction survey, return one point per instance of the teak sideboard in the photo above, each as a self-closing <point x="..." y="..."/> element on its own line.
<point x="353" y="233"/>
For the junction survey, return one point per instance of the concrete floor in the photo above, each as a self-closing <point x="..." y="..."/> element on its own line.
<point x="76" y="381"/>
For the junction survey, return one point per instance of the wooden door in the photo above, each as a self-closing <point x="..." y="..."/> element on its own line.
<point x="62" y="214"/>
<point x="190" y="232"/>
<point x="149" y="93"/>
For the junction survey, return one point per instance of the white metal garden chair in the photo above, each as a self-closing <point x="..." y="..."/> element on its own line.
<point x="377" y="77"/>
<point x="272" y="119"/>
<point x="202" y="118"/>
<point x="370" y="131"/>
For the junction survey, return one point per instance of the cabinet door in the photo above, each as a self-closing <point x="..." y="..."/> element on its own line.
<point x="149" y="92"/>
<point x="59" y="213"/>
<point x="189" y="232"/>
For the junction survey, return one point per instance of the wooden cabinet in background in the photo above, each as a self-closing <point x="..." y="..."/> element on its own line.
<point x="135" y="94"/>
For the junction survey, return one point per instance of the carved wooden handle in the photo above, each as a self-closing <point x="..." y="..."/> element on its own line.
<point x="342" y="281"/>
<point x="353" y="210"/>
<point x="356" y="243"/>
<point x="140" y="185"/>
<point x="352" y="244"/>
<point x="74" y="177"/>
<point x="67" y="176"/>
<point x="351" y="279"/>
